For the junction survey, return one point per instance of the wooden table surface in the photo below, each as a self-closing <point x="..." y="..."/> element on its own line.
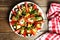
<point x="5" y="7"/>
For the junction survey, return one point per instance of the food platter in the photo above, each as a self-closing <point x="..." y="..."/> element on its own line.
<point x="28" y="20"/>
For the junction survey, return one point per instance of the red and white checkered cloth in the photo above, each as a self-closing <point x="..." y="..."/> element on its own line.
<point x="54" y="18"/>
<point x="55" y="14"/>
<point x="49" y="36"/>
<point x="54" y="7"/>
<point x="54" y="23"/>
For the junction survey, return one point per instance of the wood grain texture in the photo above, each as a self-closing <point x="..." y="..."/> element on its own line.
<point x="4" y="25"/>
<point x="11" y="2"/>
<point x="11" y="36"/>
<point x="4" y="11"/>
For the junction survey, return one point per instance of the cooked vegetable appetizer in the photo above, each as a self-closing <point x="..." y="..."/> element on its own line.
<point x="26" y="19"/>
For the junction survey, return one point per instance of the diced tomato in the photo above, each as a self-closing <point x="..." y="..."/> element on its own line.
<point x="26" y="5"/>
<point x="12" y="22"/>
<point x="34" y="6"/>
<point x="36" y="22"/>
<point x="13" y="12"/>
<point x="24" y="33"/>
<point x="17" y="31"/>
<point x="38" y="28"/>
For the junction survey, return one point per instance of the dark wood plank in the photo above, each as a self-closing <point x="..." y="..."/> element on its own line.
<point x="11" y="2"/>
<point x="4" y="11"/>
<point x="4" y="25"/>
<point x="11" y="36"/>
<point x="8" y="2"/>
